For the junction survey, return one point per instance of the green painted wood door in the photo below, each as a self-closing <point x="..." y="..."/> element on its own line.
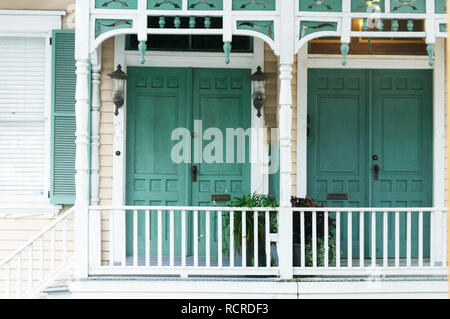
<point x="354" y="115"/>
<point x="160" y="100"/>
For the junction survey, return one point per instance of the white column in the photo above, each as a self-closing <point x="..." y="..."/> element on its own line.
<point x="285" y="231"/>
<point x="82" y="169"/>
<point x="95" y="126"/>
<point x="94" y="217"/>
<point x="285" y="214"/>
<point x="82" y="147"/>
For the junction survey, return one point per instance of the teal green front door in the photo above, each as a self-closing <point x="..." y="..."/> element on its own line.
<point x="161" y="100"/>
<point x="370" y="145"/>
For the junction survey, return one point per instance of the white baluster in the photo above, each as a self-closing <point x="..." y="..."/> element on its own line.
<point x="432" y="240"/>
<point x="64" y="257"/>
<point x="19" y="276"/>
<point x="255" y="238"/>
<point x="408" y="239"/>
<point x="111" y="238"/>
<point x="385" y="239"/>
<point x="124" y="239"/>
<point x="30" y="266"/>
<point x="420" y="239"/>
<point x="208" y="239"/>
<point x="374" y="238"/>
<point x="52" y="250"/>
<point x="349" y="240"/>
<point x="397" y="239"/>
<point x="302" y="238"/>
<point x="444" y="238"/>
<point x="160" y="230"/>
<point x="195" y="238"/>
<point x="183" y="238"/>
<point x="172" y="238"/>
<point x="338" y="239"/>
<point x="267" y="216"/>
<point x="361" y="239"/>
<point x="41" y="258"/>
<point x="135" y="238"/>
<point x="314" y="239"/>
<point x="219" y="239"/>
<point x="8" y="280"/>
<point x="231" y="238"/>
<point x="147" y="238"/>
<point x="325" y="239"/>
<point x="244" y="239"/>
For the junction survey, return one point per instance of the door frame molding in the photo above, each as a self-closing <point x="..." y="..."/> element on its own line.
<point x="306" y="61"/>
<point x="258" y="181"/>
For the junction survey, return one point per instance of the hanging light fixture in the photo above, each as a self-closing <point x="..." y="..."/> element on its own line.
<point x="119" y="78"/>
<point x="258" y="83"/>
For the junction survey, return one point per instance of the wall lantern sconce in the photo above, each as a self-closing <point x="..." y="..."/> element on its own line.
<point x="119" y="78"/>
<point x="258" y="81"/>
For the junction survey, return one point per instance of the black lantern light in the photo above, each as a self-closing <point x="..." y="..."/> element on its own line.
<point x="119" y="77"/>
<point x="258" y="81"/>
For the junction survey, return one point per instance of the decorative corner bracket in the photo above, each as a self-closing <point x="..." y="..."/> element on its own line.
<point x="142" y="49"/>
<point x="227" y="51"/>
<point x="430" y="51"/>
<point x="344" y="51"/>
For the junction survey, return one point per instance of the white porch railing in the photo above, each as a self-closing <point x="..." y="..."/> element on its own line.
<point x="182" y="241"/>
<point x="384" y="241"/>
<point x="211" y="241"/>
<point x="39" y="262"/>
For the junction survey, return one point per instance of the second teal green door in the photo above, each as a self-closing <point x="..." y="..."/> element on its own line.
<point x="160" y="100"/>
<point x="370" y="140"/>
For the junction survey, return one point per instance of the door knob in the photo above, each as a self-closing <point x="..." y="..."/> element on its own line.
<point x="194" y="173"/>
<point x="376" y="171"/>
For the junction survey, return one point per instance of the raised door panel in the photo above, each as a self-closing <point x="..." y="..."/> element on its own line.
<point x="337" y="148"/>
<point x="156" y="106"/>
<point x="221" y="101"/>
<point x="402" y="140"/>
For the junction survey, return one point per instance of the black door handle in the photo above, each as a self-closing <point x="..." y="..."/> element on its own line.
<point x="194" y="173"/>
<point x="376" y="171"/>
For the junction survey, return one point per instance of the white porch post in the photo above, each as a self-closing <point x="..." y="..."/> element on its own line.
<point x="285" y="230"/>
<point x="82" y="151"/>
<point x="95" y="217"/>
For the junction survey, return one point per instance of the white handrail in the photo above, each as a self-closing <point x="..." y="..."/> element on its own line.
<point x="262" y="209"/>
<point x="43" y="281"/>
<point x="37" y="236"/>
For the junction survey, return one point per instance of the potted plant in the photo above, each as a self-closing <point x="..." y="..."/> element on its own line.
<point x="320" y="223"/>
<point x="251" y="201"/>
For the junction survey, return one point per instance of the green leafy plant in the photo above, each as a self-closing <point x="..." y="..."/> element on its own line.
<point x="320" y="224"/>
<point x="253" y="200"/>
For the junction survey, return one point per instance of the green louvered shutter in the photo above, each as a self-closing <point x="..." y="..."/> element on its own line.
<point x="62" y="186"/>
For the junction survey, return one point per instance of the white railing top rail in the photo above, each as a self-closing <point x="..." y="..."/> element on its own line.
<point x="304" y="209"/>
<point x="37" y="236"/>
<point x="370" y="209"/>
<point x="187" y="208"/>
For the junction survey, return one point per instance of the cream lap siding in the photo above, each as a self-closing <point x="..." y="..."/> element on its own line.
<point x="22" y="106"/>
<point x="106" y="125"/>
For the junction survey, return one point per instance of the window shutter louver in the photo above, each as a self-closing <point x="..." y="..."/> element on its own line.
<point x="62" y="190"/>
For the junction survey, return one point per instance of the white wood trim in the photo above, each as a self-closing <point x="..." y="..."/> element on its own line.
<point x="302" y="96"/>
<point x="378" y="62"/>
<point x="33" y="12"/>
<point x="119" y="162"/>
<point x="439" y="141"/>
<point x="184" y="59"/>
<point x="370" y="288"/>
